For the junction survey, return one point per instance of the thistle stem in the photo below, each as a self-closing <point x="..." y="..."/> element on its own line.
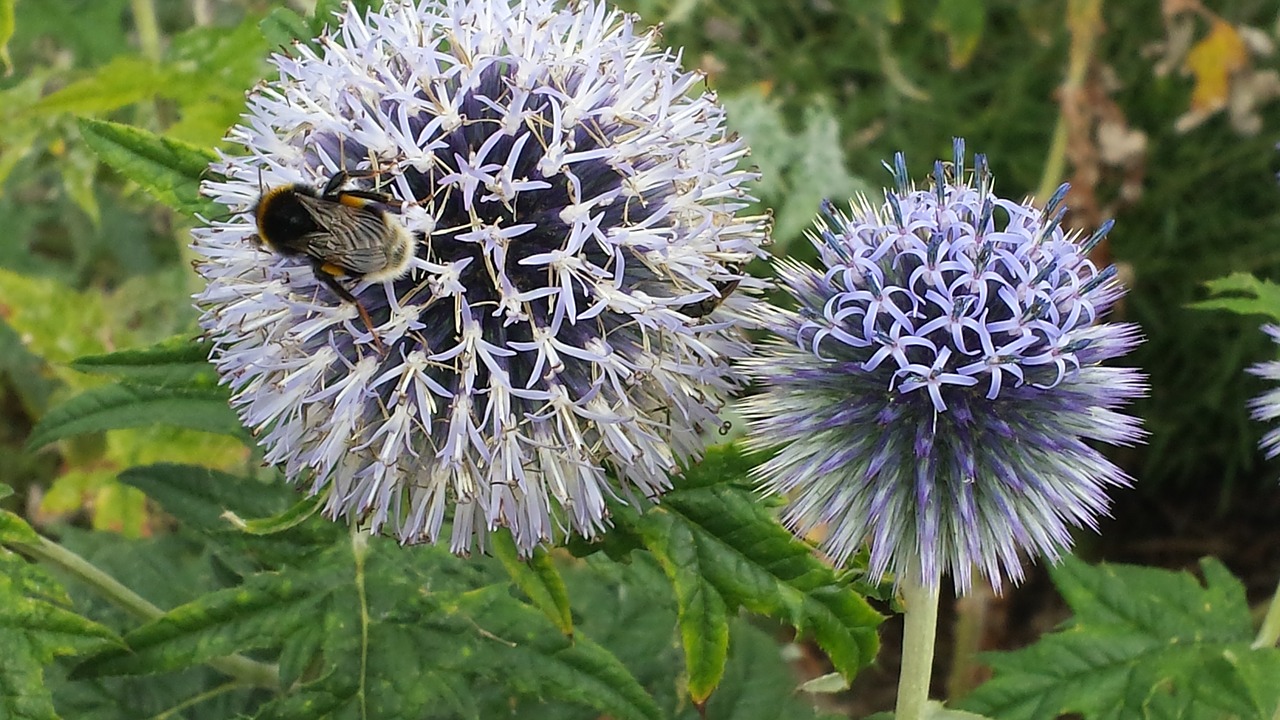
<point x="245" y="670"/>
<point x="1269" y="633"/>
<point x="920" y="596"/>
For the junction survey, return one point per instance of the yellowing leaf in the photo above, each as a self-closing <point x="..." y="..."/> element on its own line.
<point x="961" y="21"/>
<point x="121" y="509"/>
<point x="1213" y="61"/>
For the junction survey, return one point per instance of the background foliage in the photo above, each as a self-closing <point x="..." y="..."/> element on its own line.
<point x="116" y="439"/>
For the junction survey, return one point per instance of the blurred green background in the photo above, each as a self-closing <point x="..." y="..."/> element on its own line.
<point x="1162" y="116"/>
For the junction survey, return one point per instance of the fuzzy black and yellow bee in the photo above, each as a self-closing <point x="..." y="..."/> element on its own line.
<point x="340" y="233"/>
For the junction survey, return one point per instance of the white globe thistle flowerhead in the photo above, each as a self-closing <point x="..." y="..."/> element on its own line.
<point x="578" y="208"/>
<point x="1266" y="407"/>
<point x="940" y="381"/>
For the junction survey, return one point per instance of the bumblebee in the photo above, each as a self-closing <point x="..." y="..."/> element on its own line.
<point x="340" y="233"/>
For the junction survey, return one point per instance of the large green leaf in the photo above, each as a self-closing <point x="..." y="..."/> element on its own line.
<point x="170" y="170"/>
<point x="544" y="661"/>
<point x="36" y="625"/>
<point x="723" y="549"/>
<point x="538" y="578"/>
<point x="1144" y="643"/>
<point x="255" y="614"/>
<point x="200" y="497"/>
<point x="112" y="407"/>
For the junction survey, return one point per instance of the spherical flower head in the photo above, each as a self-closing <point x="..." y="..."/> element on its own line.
<point x="575" y="205"/>
<point x="940" y="379"/>
<point x="1266" y="407"/>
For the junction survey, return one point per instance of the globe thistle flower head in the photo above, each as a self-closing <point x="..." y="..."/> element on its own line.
<point x="1266" y="407"/>
<point x="941" y="378"/>
<point x="577" y="206"/>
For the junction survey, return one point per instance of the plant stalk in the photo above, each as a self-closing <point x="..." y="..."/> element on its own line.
<point x="920" y="597"/>
<point x="1269" y="633"/>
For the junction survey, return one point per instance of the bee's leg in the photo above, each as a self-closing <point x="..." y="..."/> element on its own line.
<point x="332" y="283"/>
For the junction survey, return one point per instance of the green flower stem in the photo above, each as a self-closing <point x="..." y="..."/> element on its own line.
<point x="920" y="596"/>
<point x="1269" y="633"/>
<point x="246" y="671"/>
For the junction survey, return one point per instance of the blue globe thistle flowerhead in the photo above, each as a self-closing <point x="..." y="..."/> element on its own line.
<point x="579" y="207"/>
<point x="941" y="378"/>
<point x="1266" y="407"/>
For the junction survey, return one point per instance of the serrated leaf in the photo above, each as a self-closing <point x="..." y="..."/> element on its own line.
<point x="177" y="361"/>
<point x="256" y="614"/>
<point x="1243" y="294"/>
<point x="199" y="497"/>
<point x="538" y="578"/>
<point x="580" y="671"/>
<point x="1144" y="643"/>
<point x="740" y="553"/>
<point x="703" y="617"/>
<point x="169" y="170"/>
<point x="29" y="615"/>
<point x="35" y="627"/>
<point x="112" y="407"/>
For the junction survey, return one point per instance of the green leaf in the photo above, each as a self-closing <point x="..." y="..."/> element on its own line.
<point x="1144" y="643"/>
<point x="36" y="626"/>
<point x="255" y="614"/>
<point x="168" y="169"/>
<point x="112" y="407"/>
<point x="818" y="173"/>
<point x="961" y="21"/>
<point x="1243" y="294"/>
<point x="14" y="529"/>
<point x="703" y="617"/>
<point x="722" y="550"/>
<point x="298" y="513"/>
<point x="200" y="497"/>
<point x="798" y="169"/>
<point x="580" y="671"/>
<point x="177" y="361"/>
<point x="123" y="81"/>
<point x="282" y="26"/>
<point x="538" y="578"/>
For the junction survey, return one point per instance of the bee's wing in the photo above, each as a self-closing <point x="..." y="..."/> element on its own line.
<point x="349" y="238"/>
